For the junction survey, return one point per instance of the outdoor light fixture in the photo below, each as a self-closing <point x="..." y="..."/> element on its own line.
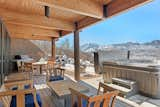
<point x="47" y="11"/>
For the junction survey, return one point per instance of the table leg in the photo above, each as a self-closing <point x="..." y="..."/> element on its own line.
<point x="40" y="69"/>
<point x="67" y="101"/>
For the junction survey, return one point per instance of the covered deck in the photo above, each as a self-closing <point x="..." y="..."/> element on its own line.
<point x="50" y="20"/>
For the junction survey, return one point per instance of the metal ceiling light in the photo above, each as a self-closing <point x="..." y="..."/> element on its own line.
<point x="47" y="11"/>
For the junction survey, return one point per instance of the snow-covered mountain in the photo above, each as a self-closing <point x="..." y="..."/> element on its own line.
<point x="91" y="47"/>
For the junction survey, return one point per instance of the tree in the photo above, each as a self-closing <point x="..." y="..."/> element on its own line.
<point x="65" y="44"/>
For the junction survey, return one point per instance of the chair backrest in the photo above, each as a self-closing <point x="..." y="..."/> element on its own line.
<point x="5" y="99"/>
<point x="20" y="85"/>
<point x="27" y="66"/>
<point x="104" y="88"/>
<point x="20" y="76"/>
<point x="59" y="71"/>
<point x="7" y="92"/>
<point x="19" y="63"/>
<point x="19" y="66"/>
<point x="54" y="69"/>
<point x="50" y="65"/>
<point x="104" y="100"/>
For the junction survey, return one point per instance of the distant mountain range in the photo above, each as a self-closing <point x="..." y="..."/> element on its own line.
<point x="91" y="47"/>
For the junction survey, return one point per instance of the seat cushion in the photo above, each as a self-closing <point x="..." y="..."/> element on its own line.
<point x="56" y="78"/>
<point x="29" y="101"/>
<point x="25" y="87"/>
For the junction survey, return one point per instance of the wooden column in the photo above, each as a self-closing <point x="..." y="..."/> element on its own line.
<point x="76" y="53"/>
<point x="53" y="49"/>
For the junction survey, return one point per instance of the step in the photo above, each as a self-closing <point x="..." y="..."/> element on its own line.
<point x="122" y="90"/>
<point x="123" y="81"/>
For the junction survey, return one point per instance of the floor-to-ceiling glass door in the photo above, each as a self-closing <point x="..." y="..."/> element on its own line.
<point x="1" y="69"/>
<point x="4" y="52"/>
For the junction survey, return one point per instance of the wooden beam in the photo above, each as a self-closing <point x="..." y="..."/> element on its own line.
<point x="113" y="8"/>
<point x="118" y="6"/>
<point x="31" y="30"/>
<point x="35" y="20"/>
<point x="88" y="21"/>
<point x="83" y="7"/>
<point x="29" y="37"/>
<point x="76" y="53"/>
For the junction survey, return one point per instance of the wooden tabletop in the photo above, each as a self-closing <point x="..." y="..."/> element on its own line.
<point x="40" y="63"/>
<point x="17" y="77"/>
<point x="61" y="88"/>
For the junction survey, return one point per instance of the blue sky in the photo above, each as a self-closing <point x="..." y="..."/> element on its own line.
<point x="138" y="25"/>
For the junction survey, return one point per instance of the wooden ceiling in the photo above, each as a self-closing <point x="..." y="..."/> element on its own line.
<point x="25" y="18"/>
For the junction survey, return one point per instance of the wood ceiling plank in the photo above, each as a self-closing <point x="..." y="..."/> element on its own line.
<point x="103" y="2"/>
<point x="35" y="20"/>
<point x="29" y="36"/>
<point x="83" y="7"/>
<point x="88" y="21"/>
<point x="31" y="7"/>
<point x="119" y="6"/>
<point x="113" y="8"/>
<point x="31" y="30"/>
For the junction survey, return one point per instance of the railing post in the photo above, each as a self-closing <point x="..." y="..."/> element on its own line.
<point x="76" y="53"/>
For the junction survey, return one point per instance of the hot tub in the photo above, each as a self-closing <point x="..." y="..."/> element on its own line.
<point x="147" y="78"/>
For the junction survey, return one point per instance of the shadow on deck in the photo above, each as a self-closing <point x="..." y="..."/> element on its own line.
<point x="48" y="99"/>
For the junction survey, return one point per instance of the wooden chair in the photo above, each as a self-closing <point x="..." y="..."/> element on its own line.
<point x="35" y="69"/>
<point x="50" y="66"/>
<point x="53" y="73"/>
<point x="102" y="99"/>
<point x="19" y="94"/>
<point x="28" y="67"/>
<point x="20" y="66"/>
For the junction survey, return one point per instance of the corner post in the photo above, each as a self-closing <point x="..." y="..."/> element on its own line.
<point x="53" y="50"/>
<point x="76" y="53"/>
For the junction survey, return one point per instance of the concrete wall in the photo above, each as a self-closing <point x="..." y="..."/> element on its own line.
<point x="25" y="47"/>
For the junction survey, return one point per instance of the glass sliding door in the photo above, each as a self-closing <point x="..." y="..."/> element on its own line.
<point x="1" y="69"/>
<point x="4" y="52"/>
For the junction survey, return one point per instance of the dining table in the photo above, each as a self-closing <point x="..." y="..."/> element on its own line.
<point x="40" y="64"/>
<point x="61" y="92"/>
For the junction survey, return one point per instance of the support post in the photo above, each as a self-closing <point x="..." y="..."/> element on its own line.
<point x="76" y="53"/>
<point x="53" y="49"/>
<point x="128" y="54"/>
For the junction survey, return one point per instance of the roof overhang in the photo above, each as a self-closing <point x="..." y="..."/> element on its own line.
<point x="26" y="19"/>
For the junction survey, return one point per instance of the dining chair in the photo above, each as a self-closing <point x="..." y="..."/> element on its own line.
<point x="54" y="73"/>
<point x="20" y="66"/>
<point x="106" y="98"/>
<point x="19" y="94"/>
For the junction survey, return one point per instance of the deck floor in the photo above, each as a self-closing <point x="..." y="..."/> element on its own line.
<point x="43" y="89"/>
<point x="48" y="99"/>
<point x="92" y="83"/>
